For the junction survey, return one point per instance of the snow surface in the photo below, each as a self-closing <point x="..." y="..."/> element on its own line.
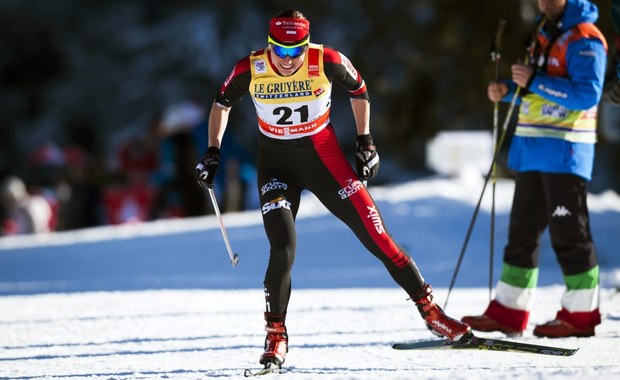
<point x="160" y="300"/>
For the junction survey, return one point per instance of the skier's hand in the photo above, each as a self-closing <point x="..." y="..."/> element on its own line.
<point x="366" y="158"/>
<point x="207" y="167"/>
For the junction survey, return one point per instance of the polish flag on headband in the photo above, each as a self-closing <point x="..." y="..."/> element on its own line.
<point x="289" y="30"/>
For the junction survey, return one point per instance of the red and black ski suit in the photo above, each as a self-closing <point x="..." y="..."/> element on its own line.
<point x="298" y="150"/>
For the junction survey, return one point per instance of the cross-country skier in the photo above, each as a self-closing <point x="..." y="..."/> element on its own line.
<point x="553" y="153"/>
<point x="290" y="82"/>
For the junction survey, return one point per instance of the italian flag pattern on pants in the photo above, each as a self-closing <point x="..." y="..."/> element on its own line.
<point x="515" y="295"/>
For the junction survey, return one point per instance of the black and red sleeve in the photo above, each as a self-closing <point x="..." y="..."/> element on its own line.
<point x="340" y="70"/>
<point x="236" y="85"/>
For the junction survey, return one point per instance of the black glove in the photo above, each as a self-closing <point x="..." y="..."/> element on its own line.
<point x="366" y="158"/>
<point x="207" y="167"/>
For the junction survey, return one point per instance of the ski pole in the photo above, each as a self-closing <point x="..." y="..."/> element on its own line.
<point x="513" y="102"/>
<point x="234" y="258"/>
<point x="495" y="58"/>
<point x="529" y="48"/>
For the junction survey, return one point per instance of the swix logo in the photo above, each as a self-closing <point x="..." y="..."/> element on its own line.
<point x="273" y="184"/>
<point x="440" y="326"/>
<point x="373" y="215"/>
<point x="560" y="211"/>
<point x="319" y="91"/>
<point x="267" y="303"/>
<point x="352" y="187"/>
<point x="277" y="203"/>
<point x="229" y="78"/>
<point x="349" y="66"/>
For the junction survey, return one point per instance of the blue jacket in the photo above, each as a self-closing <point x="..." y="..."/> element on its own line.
<point x="570" y="82"/>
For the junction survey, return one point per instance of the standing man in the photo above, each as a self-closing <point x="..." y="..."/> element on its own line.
<point x="290" y="83"/>
<point x="553" y="153"/>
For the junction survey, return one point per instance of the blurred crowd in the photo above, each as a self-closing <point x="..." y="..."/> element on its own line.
<point x="150" y="176"/>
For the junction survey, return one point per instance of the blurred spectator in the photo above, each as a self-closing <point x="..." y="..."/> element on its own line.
<point x="131" y="196"/>
<point x="186" y="128"/>
<point x="78" y="190"/>
<point x="239" y="177"/>
<point x="182" y="135"/>
<point x="23" y="213"/>
<point x="66" y="178"/>
<point x="128" y="203"/>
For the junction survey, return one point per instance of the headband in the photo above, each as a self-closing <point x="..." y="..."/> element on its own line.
<point x="289" y="30"/>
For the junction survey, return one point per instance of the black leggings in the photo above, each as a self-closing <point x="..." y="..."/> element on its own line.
<point x="317" y="164"/>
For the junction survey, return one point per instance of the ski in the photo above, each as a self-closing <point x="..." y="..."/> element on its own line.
<point x="270" y="368"/>
<point x="477" y="343"/>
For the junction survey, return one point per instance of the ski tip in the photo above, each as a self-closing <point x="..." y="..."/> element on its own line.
<point x="572" y="351"/>
<point x="270" y="368"/>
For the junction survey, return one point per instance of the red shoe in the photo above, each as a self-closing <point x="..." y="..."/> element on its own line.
<point x="485" y="323"/>
<point x="276" y="344"/>
<point x="561" y="329"/>
<point x="437" y="321"/>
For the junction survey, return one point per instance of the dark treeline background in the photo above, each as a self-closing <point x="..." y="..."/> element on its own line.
<point x="94" y="72"/>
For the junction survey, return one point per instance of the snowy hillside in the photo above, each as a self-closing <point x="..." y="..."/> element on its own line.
<point x="161" y="300"/>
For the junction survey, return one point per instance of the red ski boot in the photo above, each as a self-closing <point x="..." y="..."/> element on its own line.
<point x="437" y="321"/>
<point x="276" y="344"/>
<point x="561" y="329"/>
<point x="485" y="323"/>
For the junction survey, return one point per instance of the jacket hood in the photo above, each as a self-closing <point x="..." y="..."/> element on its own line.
<point x="578" y="11"/>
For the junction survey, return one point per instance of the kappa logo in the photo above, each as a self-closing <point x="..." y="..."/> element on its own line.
<point x="560" y="211"/>
<point x="587" y="53"/>
<point x="552" y="92"/>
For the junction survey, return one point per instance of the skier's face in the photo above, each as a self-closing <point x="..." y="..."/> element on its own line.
<point x="552" y="8"/>
<point x="287" y="66"/>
